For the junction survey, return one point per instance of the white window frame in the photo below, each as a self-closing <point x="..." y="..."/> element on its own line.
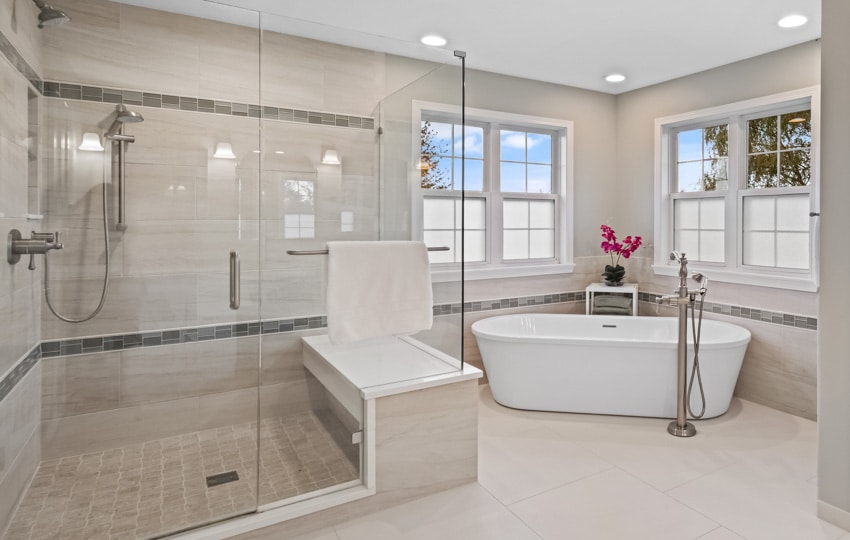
<point x="563" y="262"/>
<point x="733" y="270"/>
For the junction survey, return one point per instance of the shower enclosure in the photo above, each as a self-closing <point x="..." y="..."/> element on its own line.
<point x="179" y="404"/>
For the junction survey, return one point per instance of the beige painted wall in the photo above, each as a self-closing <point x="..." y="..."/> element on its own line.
<point x="834" y="344"/>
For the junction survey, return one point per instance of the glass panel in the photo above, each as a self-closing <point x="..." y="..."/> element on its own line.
<point x="515" y="245"/>
<point x="796" y="129"/>
<point x="539" y="148"/>
<point x="474" y="143"/>
<point x="760" y="248"/>
<point x="512" y="145"/>
<point x="441" y="238"/>
<point x="711" y="246"/>
<point x="439" y="213"/>
<point x="512" y="177"/>
<point x="761" y="171"/>
<point x="474" y="179"/>
<point x="542" y="214"/>
<point x="541" y="244"/>
<point x="792" y="250"/>
<point x="716" y="176"/>
<point x="474" y="214"/>
<point x="515" y="214"/>
<point x="712" y="214"/>
<point x="686" y="213"/>
<point x="441" y="138"/>
<point x="759" y="213"/>
<point x="689" y="147"/>
<point x="795" y="167"/>
<point x="761" y="134"/>
<point x="539" y="179"/>
<point x="435" y="139"/>
<point x="689" y="176"/>
<point x="792" y="213"/>
<point x="474" y="249"/>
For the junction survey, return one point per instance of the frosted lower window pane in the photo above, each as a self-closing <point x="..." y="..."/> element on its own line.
<point x="515" y="214"/>
<point x="690" y="176"/>
<point x="792" y="250"/>
<point x="539" y="179"/>
<point x="759" y="248"/>
<point x="541" y="244"/>
<point x="439" y="213"/>
<point x="515" y="245"/>
<point x="712" y="214"/>
<point x="473" y="246"/>
<point x="759" y="213"/>
<point x="473" y="217"/>
<point x="440" y="238"/>
<point x="307" y="220"/>
<point x="711" y="246"/>
<point x="686" y="214"/>
<point x="792" y="213"/>
<point x="512" y="177"/>
<point x="687" y="242"/>
<point x="542" y="214"/>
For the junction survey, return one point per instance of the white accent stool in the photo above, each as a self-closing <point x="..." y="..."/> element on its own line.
<point x="593" y="288"/>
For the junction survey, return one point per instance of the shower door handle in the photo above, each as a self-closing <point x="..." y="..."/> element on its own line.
<point x="234" y="279"/>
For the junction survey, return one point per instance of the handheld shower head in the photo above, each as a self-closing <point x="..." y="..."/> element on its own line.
<point x="676" y="256"/>
<point x="122" y="116"/>
<point x="702" y="280"/>
<point x="49" y="15"/>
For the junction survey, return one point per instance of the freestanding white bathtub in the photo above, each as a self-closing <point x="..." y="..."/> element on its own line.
<point x="605" y="364"/>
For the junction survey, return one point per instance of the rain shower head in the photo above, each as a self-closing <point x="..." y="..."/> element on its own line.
<point x="49" y="15"/>
<point x="122" y="116"/>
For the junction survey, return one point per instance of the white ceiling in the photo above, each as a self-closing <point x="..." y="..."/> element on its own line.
<point x="570" y="42"/>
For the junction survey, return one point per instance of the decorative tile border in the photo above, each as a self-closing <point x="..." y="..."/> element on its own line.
<point x="19" y="372"/>
<point x="139" y="98"/>
<point x="507" y="303"/>
<point x="741" y="312"/>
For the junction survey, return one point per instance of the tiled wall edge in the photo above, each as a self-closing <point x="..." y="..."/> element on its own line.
<point x="17" y="60"/>
<point x="16" y="375"/>
<point x="140" y="98"/>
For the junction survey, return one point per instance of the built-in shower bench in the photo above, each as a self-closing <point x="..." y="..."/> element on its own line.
<point x="417" y="408"/>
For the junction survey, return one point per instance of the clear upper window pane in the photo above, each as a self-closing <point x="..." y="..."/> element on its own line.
<point x="778" y="150"/>
<point x="442" y="147"/>
<point x="702" y="158"/>
<point x="512" y="177"/>
<point x="474" y="142"/>
<point x="512" y="145"/>
<point x="539" y="148"/>
<point x="796" y="129"/>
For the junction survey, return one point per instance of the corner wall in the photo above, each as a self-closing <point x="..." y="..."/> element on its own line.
<point x="834" y="343"/>
<point x="779" y="369"/>
<point x="20" y="289"/>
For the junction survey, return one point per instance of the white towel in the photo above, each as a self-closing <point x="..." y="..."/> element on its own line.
<point x="377" y="289"/>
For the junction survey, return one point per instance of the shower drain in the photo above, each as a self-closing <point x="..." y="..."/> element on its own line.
<point x="222" y="478"/>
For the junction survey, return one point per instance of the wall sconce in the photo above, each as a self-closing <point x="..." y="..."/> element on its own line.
<point x="330" y="157"/>
<point x="224" y="150"/>
<point x="91" y="142"/>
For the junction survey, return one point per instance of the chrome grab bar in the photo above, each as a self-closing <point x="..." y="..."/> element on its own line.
<point x="234" y="280"/>
<point x="325" y="251"/>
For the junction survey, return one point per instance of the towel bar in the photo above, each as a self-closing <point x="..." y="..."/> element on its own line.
<point x="325" y="251"/>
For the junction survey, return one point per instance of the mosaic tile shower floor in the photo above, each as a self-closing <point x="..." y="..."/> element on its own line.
<point x="149" y="489"/>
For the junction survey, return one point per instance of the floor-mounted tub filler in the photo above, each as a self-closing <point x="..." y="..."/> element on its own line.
<point x="604" y="364"/>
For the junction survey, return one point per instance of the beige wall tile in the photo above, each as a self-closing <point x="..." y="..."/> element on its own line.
<point x="20" y="472"/>
<point x="19" y="328"/>
<point x="179" y="371"/>
<point x="427" y="437"/>
<point x="19" y="23"/>
<point x="81" y="384"/>
<point x="20" y="413"/>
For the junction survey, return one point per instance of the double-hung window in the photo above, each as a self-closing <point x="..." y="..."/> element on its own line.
<point x="500" y="187"/>
<point x="736" y="189"/>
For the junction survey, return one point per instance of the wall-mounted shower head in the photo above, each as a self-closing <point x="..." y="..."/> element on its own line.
<point x="122" y="116"/>
<point x="49" y="15"/>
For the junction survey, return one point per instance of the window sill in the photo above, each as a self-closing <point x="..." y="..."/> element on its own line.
<point x="806" y="284"/>
<point x="526" y="270"/>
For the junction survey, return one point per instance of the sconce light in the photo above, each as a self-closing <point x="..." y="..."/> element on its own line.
<point x="91" y="142"/>
<point x="330" y="157"/>
<point x="224" y="150"/>
<point x="423" y="165"/>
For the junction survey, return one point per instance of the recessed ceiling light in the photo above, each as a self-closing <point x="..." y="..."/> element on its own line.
<point x="792" y="21"/>
<point x="433" y="40"/>
<point x="615" y="77"/>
